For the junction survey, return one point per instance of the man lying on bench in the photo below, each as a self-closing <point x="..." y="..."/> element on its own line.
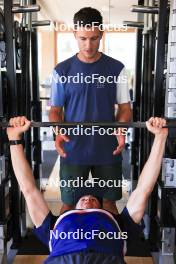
<point x="87" y="234"/>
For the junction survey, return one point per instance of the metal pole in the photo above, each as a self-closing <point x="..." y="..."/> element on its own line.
<point x="145" y="9"/>
<point x="41" y="23"/>
<point x="25" y="9"/>
<point x="135" y="24"/>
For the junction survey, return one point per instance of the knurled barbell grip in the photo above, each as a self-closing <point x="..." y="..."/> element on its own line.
<point x="170" y="124"/>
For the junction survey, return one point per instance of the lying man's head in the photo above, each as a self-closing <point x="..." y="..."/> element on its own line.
<point x="89" y="202"/>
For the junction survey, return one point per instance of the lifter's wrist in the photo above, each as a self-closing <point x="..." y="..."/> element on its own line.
<point x="15" y="137"/>
<point x="161" y="137"/>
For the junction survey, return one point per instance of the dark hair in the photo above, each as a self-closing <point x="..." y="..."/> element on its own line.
<point x="88" y="16"/>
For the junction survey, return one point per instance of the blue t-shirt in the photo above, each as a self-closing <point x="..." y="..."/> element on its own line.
<point x="80" y="222"/>
<point x="87" y="100"/>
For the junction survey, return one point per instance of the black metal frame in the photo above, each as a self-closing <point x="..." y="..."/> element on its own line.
<point x="158" y="108"/>
<point x="36" y="107"/>
<point x="10" y="58"/>
<point x="149" y="97"/>
<point x="158" y="102"/>
<point x="12" y="110"/>
<point x="20" y="97"/>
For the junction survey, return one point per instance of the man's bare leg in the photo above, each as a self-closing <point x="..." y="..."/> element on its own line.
<point x="110" y="206"/>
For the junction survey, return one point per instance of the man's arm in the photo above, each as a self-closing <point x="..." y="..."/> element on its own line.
<point x="149" y="175"/>
<point x="36" y="204"/>
<point x="56" y="115"/>
<point x="56" y="110"/>
<point x="124" y="114"/>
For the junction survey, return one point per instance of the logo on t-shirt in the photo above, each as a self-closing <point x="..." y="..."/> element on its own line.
<point x="100" y="85"/>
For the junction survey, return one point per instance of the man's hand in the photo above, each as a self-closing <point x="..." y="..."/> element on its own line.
<point x="120" y="147"/>
<point x="155" y="126"/>
<point x="124" y="114"/>
<point x="19" y="125"/>
<point x="60" y="139"/>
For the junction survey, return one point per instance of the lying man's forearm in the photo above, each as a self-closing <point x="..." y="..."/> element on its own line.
<point x="152" y="167"/>
<point x="22" y="169"/>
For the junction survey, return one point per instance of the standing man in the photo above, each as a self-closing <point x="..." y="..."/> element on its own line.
<point x="102" y="84"/>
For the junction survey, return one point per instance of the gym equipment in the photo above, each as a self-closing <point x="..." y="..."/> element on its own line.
<point x="18" y="43"/>
<point x="19" y="95"/>
<point x="170" y="124"/>
<point x="167" y="187"/>
<point x="134" y="24"/>
<point x="41" y="23"/>
<point x="145" y="9"/>
<point x="2" y="42"/>
<point x="25" y="9"/>
<point x="154" y="78"/>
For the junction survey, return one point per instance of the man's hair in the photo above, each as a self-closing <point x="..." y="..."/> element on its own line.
<point x="86" y="193"/>
<point x="88" y="16"/>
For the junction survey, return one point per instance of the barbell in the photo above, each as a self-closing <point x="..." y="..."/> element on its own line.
<point x="170" y="124"/>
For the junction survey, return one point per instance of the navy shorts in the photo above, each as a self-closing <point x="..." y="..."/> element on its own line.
<point x="107" y="182"/>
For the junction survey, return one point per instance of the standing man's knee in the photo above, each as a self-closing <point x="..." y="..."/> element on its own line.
<point x="66" y="207"/>
<point x="110" y="206"/>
